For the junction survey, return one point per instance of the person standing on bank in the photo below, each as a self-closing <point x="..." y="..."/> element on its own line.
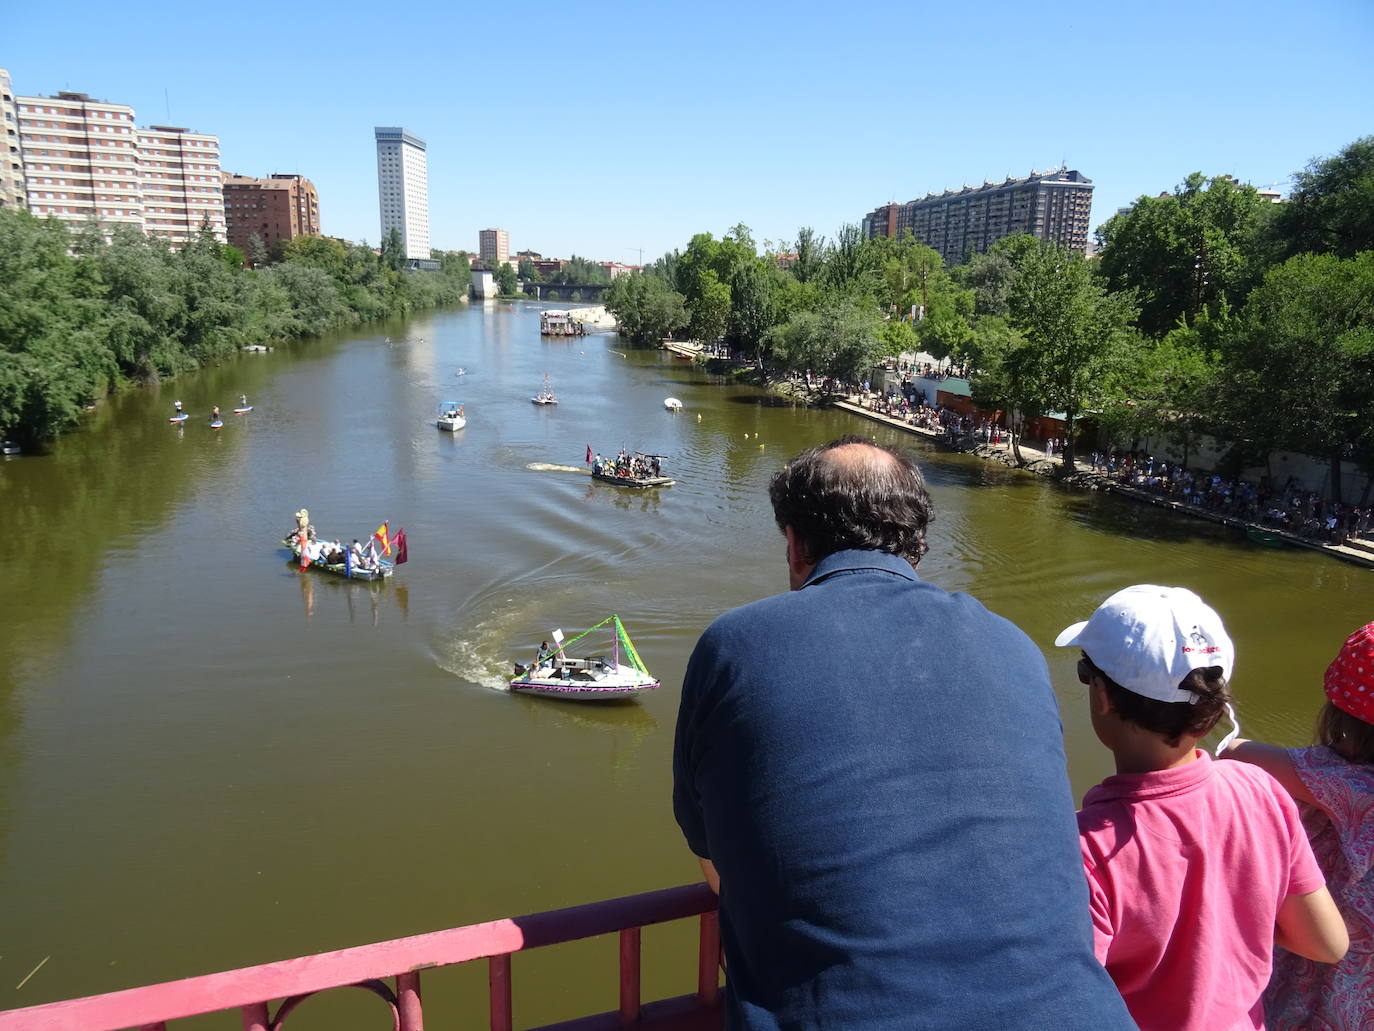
<point x="891" y="831"/>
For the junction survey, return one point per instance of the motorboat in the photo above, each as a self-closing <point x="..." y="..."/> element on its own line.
<point x="9" y="447"/>
<point x="451" y="416"/>
<point x="672" y="404"/>
<point x="592" y="678"/>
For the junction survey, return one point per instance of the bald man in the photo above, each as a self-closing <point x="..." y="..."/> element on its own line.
<point x="871" y="772"/>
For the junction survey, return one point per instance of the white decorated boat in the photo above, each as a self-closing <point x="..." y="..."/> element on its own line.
<point x="591" y="678"/>
<point x="546" y="395"/>
<point x="451" y="416"/>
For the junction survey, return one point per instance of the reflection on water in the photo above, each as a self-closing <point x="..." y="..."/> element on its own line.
<point x="182" y="731"/>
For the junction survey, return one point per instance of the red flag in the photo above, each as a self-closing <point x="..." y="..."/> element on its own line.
<point x="589" y="454"/>
<point x="400" y="541"/>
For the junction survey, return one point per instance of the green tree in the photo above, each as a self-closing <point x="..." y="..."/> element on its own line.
<point x="1194" y="250"/>
<point x="1331" y="208"/>
<point x="257" y="251"/>
<point x="710" y="308"/>
<point x="1075" y="329"/>
<point x="840" y="337"/>
<point x="528" y="272"/>
<point x="506" y="281"/>
<point x="811" y="253"/>
<point x="1299" y="367"/>
<point x="1005" y="378"/>
<point x="393" y="249"/>
<point x="646" y="309"/>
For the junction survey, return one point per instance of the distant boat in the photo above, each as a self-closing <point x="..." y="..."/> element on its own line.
<point x="672" y="404"/>
<point x="9" y="447"/>
<point x="451" y="416"/>
<point x="593" y="678"/>
<point x="546" y="394"/>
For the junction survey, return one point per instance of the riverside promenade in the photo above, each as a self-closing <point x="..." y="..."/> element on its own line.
<point x="1359" y="552"/>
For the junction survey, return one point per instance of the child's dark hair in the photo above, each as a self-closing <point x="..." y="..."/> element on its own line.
<point x="1172" y="720"/>
<point x="1348" y="736"/>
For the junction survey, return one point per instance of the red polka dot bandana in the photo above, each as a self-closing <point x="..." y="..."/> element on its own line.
<point x="1350" y="678"/>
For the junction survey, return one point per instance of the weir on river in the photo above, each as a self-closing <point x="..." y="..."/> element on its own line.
<point x="210" y="759"/>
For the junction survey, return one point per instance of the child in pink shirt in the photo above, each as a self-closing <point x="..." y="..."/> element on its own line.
<point x="1194" y="868"/>
<point x="1333" y="784"/>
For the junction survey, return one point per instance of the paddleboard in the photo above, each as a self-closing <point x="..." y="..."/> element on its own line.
<point x="216" y="425"/>
<point x="240" y="411"/>
<point x="179" y="418"/>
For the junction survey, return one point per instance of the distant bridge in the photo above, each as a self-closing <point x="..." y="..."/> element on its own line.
<point x="565" y="291"/>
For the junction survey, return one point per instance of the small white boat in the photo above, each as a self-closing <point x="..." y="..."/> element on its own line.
<point x="672" y="404"/>
<point x="545" y="395"/>
<point x="451" y="416"/>
<point x="9" y="447"/>
<point x="593" y="678"/>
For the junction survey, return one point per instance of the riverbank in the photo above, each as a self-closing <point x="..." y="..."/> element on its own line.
<point x="595" y="316"/>
<point x="1034" y="460"/>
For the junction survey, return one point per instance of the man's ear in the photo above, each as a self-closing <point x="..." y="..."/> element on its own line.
<point x="798" y="554"/>
<point x="1101" y="701"/>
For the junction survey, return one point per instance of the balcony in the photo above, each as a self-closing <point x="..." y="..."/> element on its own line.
<point x="288" y="984"/>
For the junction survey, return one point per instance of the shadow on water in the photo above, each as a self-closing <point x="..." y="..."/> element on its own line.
<point x="1125" y="517"/>
<point x="766" y="401"/>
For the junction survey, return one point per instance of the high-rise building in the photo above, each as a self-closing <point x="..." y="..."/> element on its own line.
<point x="183" y="188"/>
<point x="1053" y="206"/>
<point x="85" y="160"/>
<point x="403" y="188"/>
<point x="81" y="159"/>
<point x="493" y="245"/>
<point x="12" y="191"/>
<point x="280" y="208"/>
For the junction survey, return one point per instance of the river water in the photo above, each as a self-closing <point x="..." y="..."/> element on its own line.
<point x="209" y="759"/>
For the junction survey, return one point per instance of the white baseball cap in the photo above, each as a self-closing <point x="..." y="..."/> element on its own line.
<point x="1149" y="638"/>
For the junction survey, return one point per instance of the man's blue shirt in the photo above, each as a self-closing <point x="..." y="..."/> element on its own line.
<point x="875" y="767"/>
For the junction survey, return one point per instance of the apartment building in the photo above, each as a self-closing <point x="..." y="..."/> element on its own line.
<point x="183" y="187"/>
<point x="280" y="208"/>
<point x="493" y="245"/>
<point x="81" y="159"/>
<point x="12" y="187"/>
<point x="403" y="188"/>
<point x="1054" y="206"/>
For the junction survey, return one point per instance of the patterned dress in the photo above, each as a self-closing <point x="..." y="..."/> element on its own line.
<point x="1321" y="996"/>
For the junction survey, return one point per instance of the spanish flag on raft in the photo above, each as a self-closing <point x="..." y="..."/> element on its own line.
<point x="383" y="537"/>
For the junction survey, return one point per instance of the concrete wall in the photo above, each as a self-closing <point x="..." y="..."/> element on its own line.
<point x="483" y="284"/>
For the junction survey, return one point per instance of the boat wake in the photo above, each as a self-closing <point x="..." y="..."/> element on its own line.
<point x="471" y="657"/>
<point x="551" y="467"/>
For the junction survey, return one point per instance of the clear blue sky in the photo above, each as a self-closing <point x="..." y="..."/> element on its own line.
<point x="603" y="128"/>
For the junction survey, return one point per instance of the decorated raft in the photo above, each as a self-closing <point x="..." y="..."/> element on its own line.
<point x="591" y="678"/>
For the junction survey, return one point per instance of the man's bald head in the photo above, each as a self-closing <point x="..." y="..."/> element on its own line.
<point x="852" y="493"/>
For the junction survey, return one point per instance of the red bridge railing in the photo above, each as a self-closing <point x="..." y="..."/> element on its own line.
<point x="253" y="990"/>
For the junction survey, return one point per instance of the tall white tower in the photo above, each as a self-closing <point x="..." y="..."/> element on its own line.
<point x="403" y="188"/>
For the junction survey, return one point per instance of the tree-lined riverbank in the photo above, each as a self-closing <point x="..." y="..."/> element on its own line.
<point x="81" y="315"/>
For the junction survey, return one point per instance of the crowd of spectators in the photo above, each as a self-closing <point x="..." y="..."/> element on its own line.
<point x="1291" y="508"/>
